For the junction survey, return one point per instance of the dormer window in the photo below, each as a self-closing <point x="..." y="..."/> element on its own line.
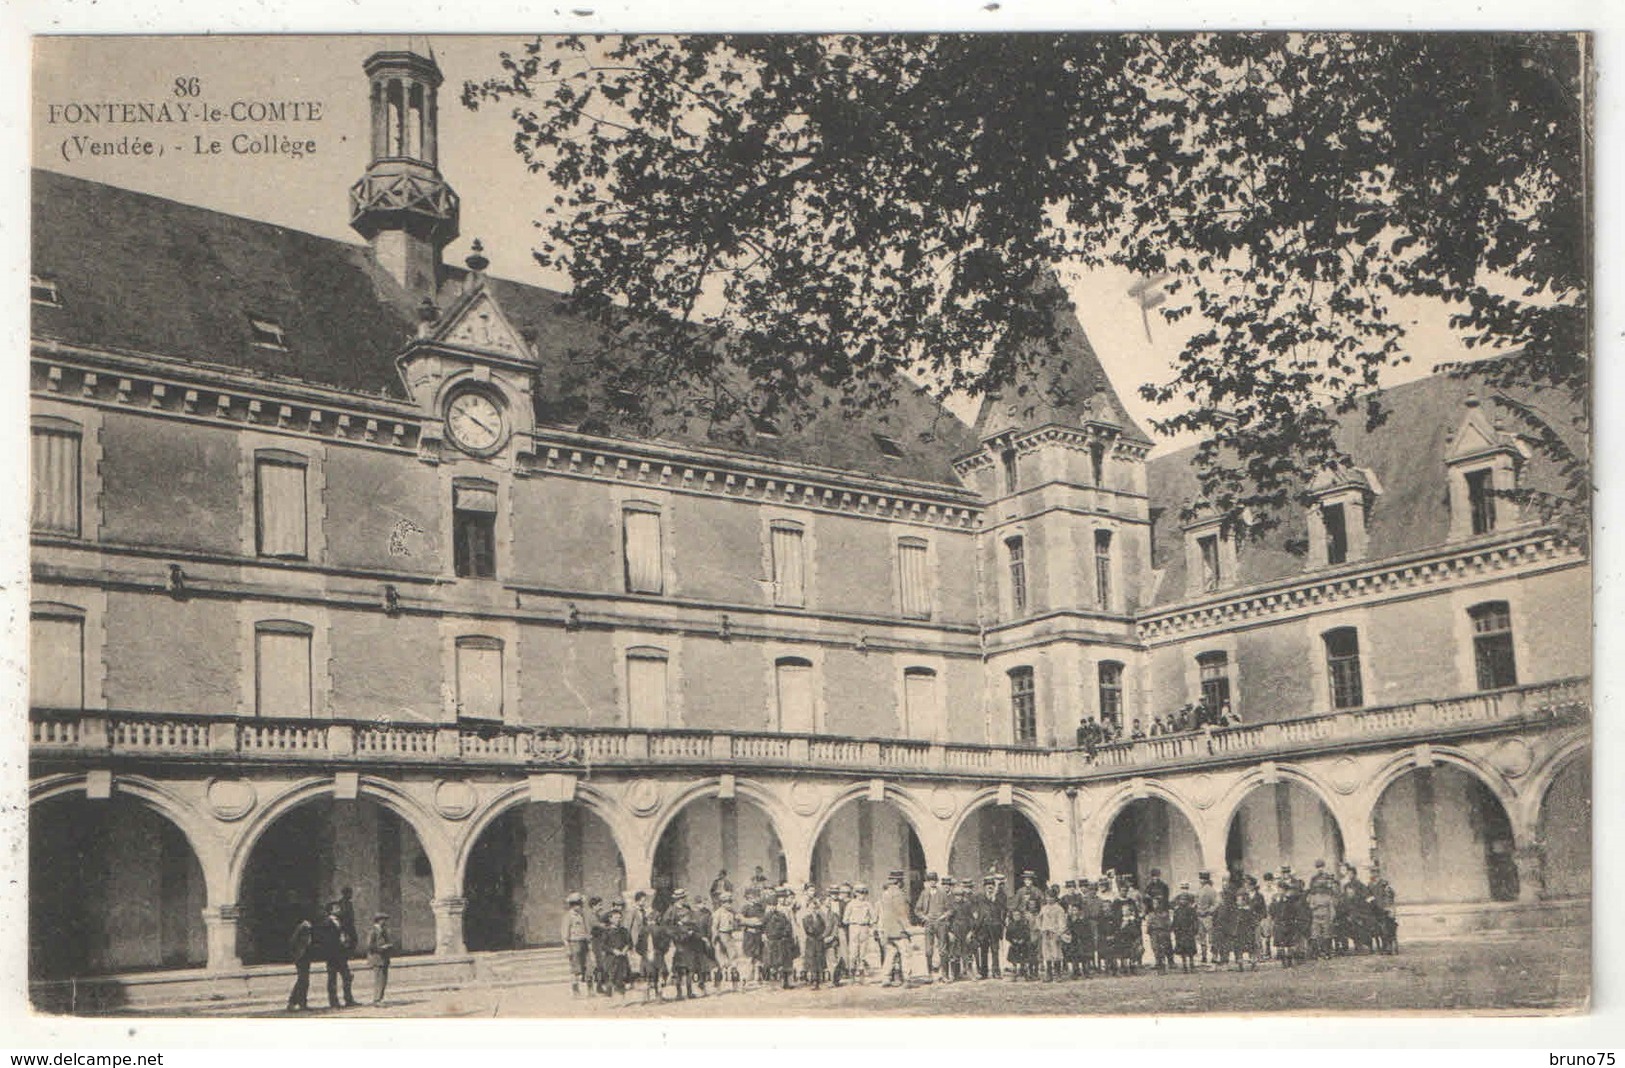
<point x="267" y="333"/>
<point x="1484" y="463"/>
<point x="1481" y="500"/>
<point x="888" y="446"/>
<point x="764" y="427"/>
<point x="1210" y="556"/>
<point x="1007" y="461"/>
<point x="1342" y="499"/>
<point x="1212" y="567"/>
<point x="43" y="290"/>
<point x="1337" y="533"/>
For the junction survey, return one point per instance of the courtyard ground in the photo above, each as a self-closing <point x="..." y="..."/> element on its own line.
<point x="1523" y="973"/>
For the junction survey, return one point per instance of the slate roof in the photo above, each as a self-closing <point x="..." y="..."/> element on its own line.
<point x="1407" y="454"/>
<point x="142" y="273"/>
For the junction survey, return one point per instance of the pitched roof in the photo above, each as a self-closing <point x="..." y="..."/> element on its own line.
<point x="142" y="273"/>
<point x="1407" y="455"/>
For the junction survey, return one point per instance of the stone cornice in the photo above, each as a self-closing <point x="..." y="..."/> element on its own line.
<point x="1391" y="577"/>
<point x="1067" y="437"/>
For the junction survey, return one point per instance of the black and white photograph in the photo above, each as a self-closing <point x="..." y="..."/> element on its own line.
<point x="841" y="525"/>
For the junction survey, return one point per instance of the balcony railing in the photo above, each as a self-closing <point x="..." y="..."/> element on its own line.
<point x="94" y="733"/>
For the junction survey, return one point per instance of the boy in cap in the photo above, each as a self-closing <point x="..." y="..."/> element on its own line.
<point x="893" y="929"/>
<point x="1207" y="902"/>
<point x="576" y="934"/>
<point x="860" y="931"/>
<point x="617" y="945"/>
<point x="380" y="948"/>
<point x="1184" y="926"/>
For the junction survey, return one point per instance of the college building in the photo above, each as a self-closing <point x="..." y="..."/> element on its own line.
<point x="343" y="574"/>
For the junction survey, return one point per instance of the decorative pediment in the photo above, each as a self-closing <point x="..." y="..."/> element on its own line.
<point x="477" y="323"/>
<point x="1478" y="436"/>
<point x="1333" y="480"/>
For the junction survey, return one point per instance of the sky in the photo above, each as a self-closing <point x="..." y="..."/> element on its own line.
<point x="500" y="197"/>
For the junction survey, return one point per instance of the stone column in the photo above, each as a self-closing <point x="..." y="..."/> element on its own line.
<point x="220" y="928"/>
<point x="1531" y="861"/>
<point x="448" y="925"/>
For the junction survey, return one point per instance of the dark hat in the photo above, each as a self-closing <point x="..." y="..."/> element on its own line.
<point x="991" y="880"/>
<point x="895" y="876"/>
<point x="1029" y="875"/>
<point x="573" y="898"/>
<point x="1072" y="882"/>
<point x="380" y="915"/>
<point x="639" y="896"/>
<point x="334" y="906"/>
<point x="947" y="880"/>
<point x="1205" y="876"/>
<point x="1320" y="863"/>
<point x="1269" y="877"/>
<point x="1286" y="869"/>
<point x="930" y="876"/>
<point x="678" y="894"/>
<point x="1156" y="873"/>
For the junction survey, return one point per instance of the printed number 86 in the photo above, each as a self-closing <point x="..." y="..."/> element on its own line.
<point x="188" y="86"/>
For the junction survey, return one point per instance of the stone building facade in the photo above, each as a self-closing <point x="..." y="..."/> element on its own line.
<point x="339" y="581"/>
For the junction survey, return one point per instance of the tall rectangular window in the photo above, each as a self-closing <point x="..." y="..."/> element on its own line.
<point x="1023" y="707"/>
<point x="789" y="566"/>
<point x="1111" y="693"/>
<point x="914" y="578"/>
<point x="1343" y="667"/>
<point x="1012" y="476"/>
<point x="479" y="678"/>
<point x="645" y="571"/>
<point x="1214" y="669"/>
<point x="56" y="662"/>
<point x="279" y="505"/>
<point x="1097" y="462"/>
<point x="646" y="703"/>
<point x="474" y="529"/>
<point x="1103" y="569"/>
<point x="1018" y="574"/>
<point x="282" y="669"/>
<point x="1492" y="645"/>
<point x="1208" y="545"/>
<point x="793" y="678"/>
<point x="54" y="496"/>
<point x="1335" y="521"/>
<point x="920" y="715"/>
<point x="1481" y="500"/>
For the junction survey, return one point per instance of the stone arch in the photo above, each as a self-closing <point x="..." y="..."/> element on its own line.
<point x="1231" y="805"/>
<point x="1055" y="837"/>
<point x="1401" y="763"/>
<point x="1532" y="797"/>
<point x="928" y="831"/>
<point x="601" y="804"/>
<point x="781" y="822"/>
<point x="1558" y="860"/>
<point x="1209" y="845"/>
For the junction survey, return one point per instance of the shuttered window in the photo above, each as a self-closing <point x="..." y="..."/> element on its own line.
<point x="55" y="489"/>
<point x="914" y="576"/>
<point x="474" y="528"/>
<point x="1335" y="520"/>
<point x="789" y="566"/>
<point x="1492" y="645"/>
<point x="1214" y="669"/>
<point x="646" y="703"/>
<point x="1343" y="667"/>
<point x="1023" y="707"/>
<point x="794" y="678"/>
<point x="1017" y="550"/>
<point x="56" y="662"/>
<point x="921" y="715"/>
<point x="1103" y="569"/>
<point x="282" y="669"/>
<point x="1111" y="693"/>
<point x="279" y="495"/>
<point x="645" y="571"/>
<point x="479" y="678"/>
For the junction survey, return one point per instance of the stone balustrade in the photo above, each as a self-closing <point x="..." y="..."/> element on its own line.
<point x="91" y="733"/>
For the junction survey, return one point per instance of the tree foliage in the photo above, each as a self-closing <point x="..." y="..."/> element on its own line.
<point x="829" y="213"/>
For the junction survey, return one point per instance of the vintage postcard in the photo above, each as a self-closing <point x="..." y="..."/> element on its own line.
<point x="763" y="526"/>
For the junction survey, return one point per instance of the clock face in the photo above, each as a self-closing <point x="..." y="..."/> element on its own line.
<point x="474" y="422"/>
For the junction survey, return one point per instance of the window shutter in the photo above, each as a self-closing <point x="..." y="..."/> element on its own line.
<point x="911" y="556"/>
<point x="646" y="691"/>
<point x="56" y="663"/>
<point x="479" y="679"/>
<point x="475" y="498"/>
<point x="281" y="508"/>
<point x="796" y="714"/>
<point x="644" y="572"/>
<point x="789" y="567"/>
<point x="55" y="491"/>
<point x="283" y="673"/>
<point x="920" y="710"/>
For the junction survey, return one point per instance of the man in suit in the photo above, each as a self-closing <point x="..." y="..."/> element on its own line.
<point x="335" y="949"/>
<point x="933" y="907"/>
<point x="303" y="938"/>
<point x="893" y="929"/>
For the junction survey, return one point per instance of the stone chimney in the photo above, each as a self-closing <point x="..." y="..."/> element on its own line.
<point x="402" y="205"/>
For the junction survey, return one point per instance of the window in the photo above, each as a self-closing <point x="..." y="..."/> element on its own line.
<point x="56" y="661"/>
<point x="793" y="679"/>
<point x="267" y="333"/>
<point x="1007" y="460"/>
<point x="646" y="704"/>
<point x="1111" y="693"/>
<point x="888" y="446"/>
<point x="764" y="426"/>
<point x="1018" y="574"/>
<point x="914" y="577"/>
<point x="279" y="499"/>
<point x="1343" y="667"/>
<point x="789" y="565"/>
<point x="1023" y="707"/>
<point x="920" y="716"/>
<point x="1097" y="462"/>
<point x="1208" y="545"/>
<point x="1214" y="669"/>
<point x="479" y="678"/>
<point x="1492" y="645"/>
<point x="1103" y="569"/>
<point x="43" y="290"/>
<point x="54" y="496"/>
<point x="282" y="669"/>
<point x="1335" y="521"/>
<point x="1481" y="500"/>
<point x="645" y="572"/>
<point x="474" y="528"/>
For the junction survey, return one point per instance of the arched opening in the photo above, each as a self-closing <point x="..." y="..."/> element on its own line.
<point x="311" y="853"/>
<point x="1282" y="823"/>
<point x="1149" y="832"/>
<point x="1565" y="829"/>
<point x="710" y="835"/>
<point x="523" y="864"/>
<point x="1001" y="839"/>
<point x="1443" y="836"/>
<point x="112" y="887"/>
<point x="863" y="842"/>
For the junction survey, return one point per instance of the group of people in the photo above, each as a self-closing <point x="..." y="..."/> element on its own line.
<point x="329" y="936"/>
<point x="1094" y="733"/>
<point x="965" y="929"/>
